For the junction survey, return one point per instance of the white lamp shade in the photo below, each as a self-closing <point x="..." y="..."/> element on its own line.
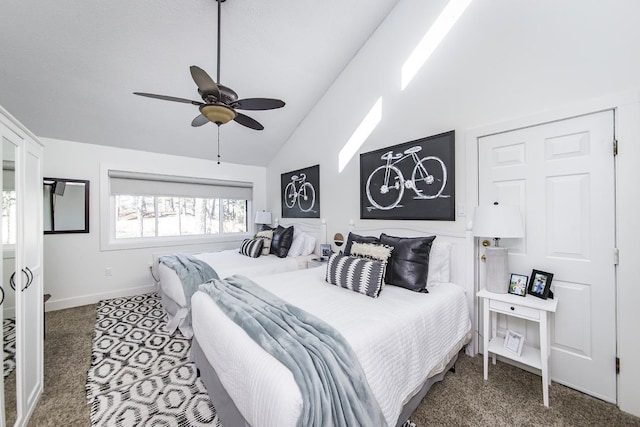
<point x="263" y="217"/>
<point x="497" y="221"/>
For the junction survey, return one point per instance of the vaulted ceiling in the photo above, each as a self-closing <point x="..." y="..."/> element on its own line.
<point x="68" y="68"/>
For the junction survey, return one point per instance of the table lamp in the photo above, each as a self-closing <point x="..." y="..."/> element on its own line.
<point x="263" y="217"/>
<point x="497" y="221"/>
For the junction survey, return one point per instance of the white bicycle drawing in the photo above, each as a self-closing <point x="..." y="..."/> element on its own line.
<point x="305" y="194"/>
<point x="386" y="184"/>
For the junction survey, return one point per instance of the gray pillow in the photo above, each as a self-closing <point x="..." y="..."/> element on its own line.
<point x="357" y="274"/>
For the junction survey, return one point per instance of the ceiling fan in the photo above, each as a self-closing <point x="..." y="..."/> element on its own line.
<point x="220" y="102"/>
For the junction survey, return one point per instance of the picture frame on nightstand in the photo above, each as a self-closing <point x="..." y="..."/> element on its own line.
<point x="540" y="284"/>
<point x="325" y="252"/>
<point x="514" y="342"/>
<point x="518" y="285"/>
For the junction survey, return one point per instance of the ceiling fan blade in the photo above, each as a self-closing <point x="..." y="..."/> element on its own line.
<point x="248" y="121"/>
<point x="206" y="85"/>
<point x="258" y="104"/>
<point x="168" y="98"/>
<point x="199" y="121"/>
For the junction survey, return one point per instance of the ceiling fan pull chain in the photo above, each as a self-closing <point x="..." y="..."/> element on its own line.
<point x="218" y="144"/>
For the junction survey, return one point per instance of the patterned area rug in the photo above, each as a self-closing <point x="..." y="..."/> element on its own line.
<point x="9" y="360"/>
<point x="140" y="375"/>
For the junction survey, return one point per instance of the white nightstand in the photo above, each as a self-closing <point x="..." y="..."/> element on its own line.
<point x="316" y="262"/>
<point x="529" y="308"/>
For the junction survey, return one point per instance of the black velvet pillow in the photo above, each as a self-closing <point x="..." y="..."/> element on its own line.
<point x="360" y="239"/>
<point x="265" y="227"/>
<point x="408" y="266"/>
<point x="281" y="242"/>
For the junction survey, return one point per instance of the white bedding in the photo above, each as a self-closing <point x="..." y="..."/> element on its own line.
<point x="400" y="339"/>
<point x="225" y="263"/>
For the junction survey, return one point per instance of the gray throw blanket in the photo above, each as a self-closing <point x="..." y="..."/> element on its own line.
<point x="334" y="389"/>
<point x="192" y="273"/>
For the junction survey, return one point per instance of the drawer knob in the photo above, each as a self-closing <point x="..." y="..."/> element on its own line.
<point x="512" y="308"/>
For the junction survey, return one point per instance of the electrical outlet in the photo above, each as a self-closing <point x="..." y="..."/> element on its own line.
<point x="108" y="272"/>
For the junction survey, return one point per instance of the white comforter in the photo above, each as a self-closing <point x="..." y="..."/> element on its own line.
<point x="400" y="339"/>
<point x="227" y="263"/>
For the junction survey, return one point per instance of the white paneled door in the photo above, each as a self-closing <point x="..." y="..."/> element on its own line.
<point x="562" y="176"/>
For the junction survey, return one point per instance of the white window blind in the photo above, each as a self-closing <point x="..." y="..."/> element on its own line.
<point x="145" y="184"/>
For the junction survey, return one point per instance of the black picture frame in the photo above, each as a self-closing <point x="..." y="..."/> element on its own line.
<point x="414" y="180"/>
<point x="518" y="284"/>
<point x="325" y="251"/>
<point x="300" y="193"/>
<point x="540" y="284"/>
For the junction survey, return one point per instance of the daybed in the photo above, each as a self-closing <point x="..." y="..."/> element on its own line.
<point x="226" y="263"/>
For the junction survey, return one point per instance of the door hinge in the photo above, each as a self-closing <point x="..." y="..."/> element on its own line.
<point x="615" y="147"/>
<point x="617" y="365"/>
<point x="616" y="256"/>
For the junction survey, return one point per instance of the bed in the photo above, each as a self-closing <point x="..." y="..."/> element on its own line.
<point x="248" y="386"/>
<point x="226" y="263"/>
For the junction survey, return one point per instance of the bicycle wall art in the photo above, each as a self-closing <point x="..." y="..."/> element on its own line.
<point x="414" y="180"/>
<point x="300" y="190"/>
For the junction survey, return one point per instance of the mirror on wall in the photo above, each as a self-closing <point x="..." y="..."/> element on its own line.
<point x="66" y="206"/>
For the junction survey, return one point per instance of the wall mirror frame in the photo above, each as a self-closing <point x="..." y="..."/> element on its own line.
<point x="66" y="205"/>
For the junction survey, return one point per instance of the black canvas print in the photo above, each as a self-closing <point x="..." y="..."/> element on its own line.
<point x="414" y="180"/>
<point x="300" y="191"/>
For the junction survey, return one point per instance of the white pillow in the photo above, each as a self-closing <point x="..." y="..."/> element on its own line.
<point x="373" y="251"/>
<point x="439" y="263"/>
<point x="309" y="244"/>
<point x="267" y="236"/>
<point x="297" y="245"/>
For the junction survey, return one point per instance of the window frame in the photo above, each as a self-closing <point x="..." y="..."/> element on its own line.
<point x="108" y="240"/>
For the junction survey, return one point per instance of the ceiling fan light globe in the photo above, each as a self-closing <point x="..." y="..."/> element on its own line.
<point x="217" y="113"/>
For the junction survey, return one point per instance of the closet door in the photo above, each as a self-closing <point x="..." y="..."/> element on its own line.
<point x="29" y="303"/>
<point x="11" y="141"/>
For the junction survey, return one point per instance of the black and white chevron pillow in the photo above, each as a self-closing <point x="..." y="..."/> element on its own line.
<point x="251" y="247"/>
<point x="357" y="274"/>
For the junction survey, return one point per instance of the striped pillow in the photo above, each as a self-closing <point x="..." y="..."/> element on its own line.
<point x="251" y="247"/>
<point x="357" y="274"/>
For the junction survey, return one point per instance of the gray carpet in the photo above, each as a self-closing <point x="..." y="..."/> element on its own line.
<point x="511" y="397"/>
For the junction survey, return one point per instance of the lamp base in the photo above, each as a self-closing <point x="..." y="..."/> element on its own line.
<point x="497" y="270"/>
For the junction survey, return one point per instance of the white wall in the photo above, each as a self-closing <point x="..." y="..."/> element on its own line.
<point x="501" y="61"/>
<point x="74" y="265"/>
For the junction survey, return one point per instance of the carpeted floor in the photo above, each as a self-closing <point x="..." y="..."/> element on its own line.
<point x="510" y="397"/>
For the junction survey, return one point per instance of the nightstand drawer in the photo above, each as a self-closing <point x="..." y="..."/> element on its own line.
<point x="514" y="310"/>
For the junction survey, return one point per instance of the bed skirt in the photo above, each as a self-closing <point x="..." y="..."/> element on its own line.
<point x="230" y="416"/>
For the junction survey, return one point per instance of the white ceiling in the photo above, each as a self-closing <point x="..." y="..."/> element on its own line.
<point x="68" y="68"/>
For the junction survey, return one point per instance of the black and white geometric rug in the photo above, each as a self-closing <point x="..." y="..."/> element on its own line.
<point x="139" y="374"/>
<point x="9" y="334"/>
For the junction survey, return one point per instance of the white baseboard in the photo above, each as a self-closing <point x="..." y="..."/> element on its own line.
<point x="60" y="304"/>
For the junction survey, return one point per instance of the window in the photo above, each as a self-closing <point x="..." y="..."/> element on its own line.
<point x="159" y="206"/>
